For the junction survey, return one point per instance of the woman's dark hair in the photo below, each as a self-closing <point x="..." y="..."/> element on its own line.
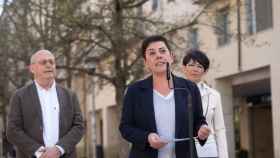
<point x="151" y="39"/>
<point x="197" y="56"/>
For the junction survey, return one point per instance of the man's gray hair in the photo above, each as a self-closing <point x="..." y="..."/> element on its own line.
<point x="43" y="51"/>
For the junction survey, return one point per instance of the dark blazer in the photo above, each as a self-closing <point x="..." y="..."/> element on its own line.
<point x="138" y="119"/>
<point x="25" y="123"/>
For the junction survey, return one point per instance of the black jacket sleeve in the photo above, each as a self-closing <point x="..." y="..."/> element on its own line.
<point x="128" y="128"/>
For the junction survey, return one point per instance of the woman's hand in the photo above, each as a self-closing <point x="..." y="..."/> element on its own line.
<point x="203" y="132"/>
<point x="155" y="141"/>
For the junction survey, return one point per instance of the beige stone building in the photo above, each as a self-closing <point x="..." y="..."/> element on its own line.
<point x="83" y="85"/>
<point x="244" y="68"/>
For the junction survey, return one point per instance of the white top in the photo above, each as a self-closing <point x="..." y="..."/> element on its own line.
<point x="50" y="115"/>
<point x="164" y="107"/>
<point x="216" y="145"/>
<point x="50" y="112"/>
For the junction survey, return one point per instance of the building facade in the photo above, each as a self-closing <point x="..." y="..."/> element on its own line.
<point x="242" y="44"/>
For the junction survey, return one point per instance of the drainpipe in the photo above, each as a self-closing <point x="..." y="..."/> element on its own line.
<point x="239" y="39"/>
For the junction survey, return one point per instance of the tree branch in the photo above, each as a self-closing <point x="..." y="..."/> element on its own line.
<point x="88" y="71"/>
<point x="192" y="21"/>
<point x="128" y="5"/>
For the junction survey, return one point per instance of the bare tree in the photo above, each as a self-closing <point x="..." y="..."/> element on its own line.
<point x="80" y="32"/>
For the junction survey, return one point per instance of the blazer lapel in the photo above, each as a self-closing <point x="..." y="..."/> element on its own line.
<point x="180" y="94"/>
<point x="36" y="106"/>
<point x="180" y="108"/>
<point x="147" y="98"/>
<point x="150" y="106"/>
<point x="36" y="102"/>
<point x="61" y="101"/>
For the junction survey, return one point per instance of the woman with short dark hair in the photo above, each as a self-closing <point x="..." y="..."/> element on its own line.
<point x="195" y="66"/>
<point x="154" y="116"/>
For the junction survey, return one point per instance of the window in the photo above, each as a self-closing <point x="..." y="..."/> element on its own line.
<point x="193" y="38"/>
<point x="155" y="5"/>
<point x="259" y="15"/>
<point x="251" y="26"/>
<point x="222" y="30"/>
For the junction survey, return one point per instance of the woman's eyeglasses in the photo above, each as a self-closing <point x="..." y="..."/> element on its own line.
<point x="193" y="65"/>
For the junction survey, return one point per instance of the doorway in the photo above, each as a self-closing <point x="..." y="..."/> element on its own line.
<point x="261" y="136"/>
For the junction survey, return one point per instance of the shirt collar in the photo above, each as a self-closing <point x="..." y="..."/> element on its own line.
<point x="200" y="85"/>
<point x="203" y="88"/>
<point x="41" y="88"/>
<point x="170" y="95"/>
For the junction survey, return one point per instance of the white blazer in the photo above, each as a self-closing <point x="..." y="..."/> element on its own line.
<point x="216" y="145"/>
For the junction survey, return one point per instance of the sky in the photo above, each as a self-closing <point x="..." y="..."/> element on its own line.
<point x="1" y="3"/>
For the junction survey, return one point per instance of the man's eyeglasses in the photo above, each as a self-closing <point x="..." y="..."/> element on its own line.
<point x="44" y="62"/>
